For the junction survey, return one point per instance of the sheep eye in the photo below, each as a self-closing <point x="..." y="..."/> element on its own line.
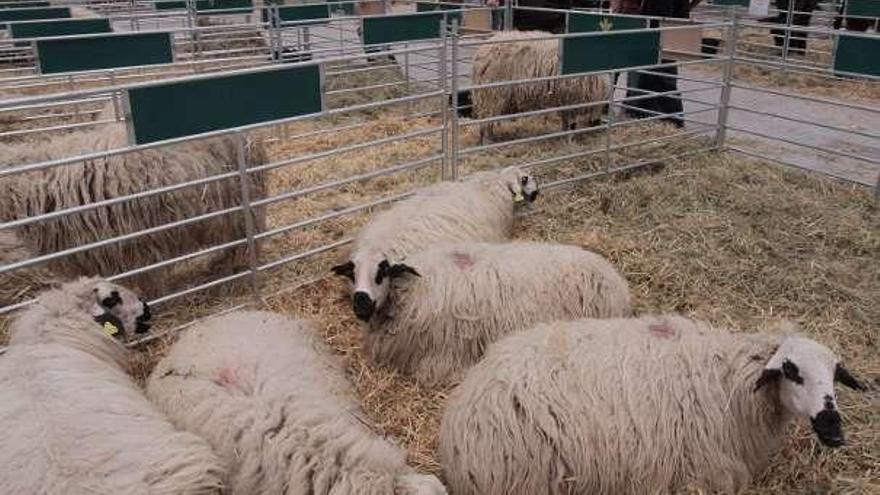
<point x="384" y="266"/>
<point x="791" y="371"/>
<point x="524" y="180"/>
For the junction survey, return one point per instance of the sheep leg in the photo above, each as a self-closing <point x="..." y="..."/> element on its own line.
<point x="568" y="124"/>
<point x="486" y="134"/>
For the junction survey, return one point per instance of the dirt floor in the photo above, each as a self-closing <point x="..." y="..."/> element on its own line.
<point x="717" y="237"/>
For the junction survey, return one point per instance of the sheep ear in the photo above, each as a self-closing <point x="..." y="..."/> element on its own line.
<point x="767" y="376"/>
<point x="345" y="270"/>
<point x="399" y="269"/>
<point x="843" y="376"/>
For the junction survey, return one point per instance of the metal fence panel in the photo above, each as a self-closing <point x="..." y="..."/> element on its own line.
<point x="104" y="52"/>
<point x="165" y="111"/>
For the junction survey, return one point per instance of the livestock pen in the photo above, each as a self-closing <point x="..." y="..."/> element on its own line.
<point x="714" y="219"/>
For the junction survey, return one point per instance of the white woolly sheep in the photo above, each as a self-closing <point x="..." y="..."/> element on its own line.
<point x="81" y="183"/>
<point x="73" y="420"/>
<point x="479" y="208"/>
<point x="20" y="284"/>
<point x="469" y="295"/>
<point x="657" y="404"/>
<point x="267" y="396"/>
<point x="529" y="58"/>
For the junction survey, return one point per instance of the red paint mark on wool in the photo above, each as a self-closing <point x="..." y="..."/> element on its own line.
<point x="462" y="261"/>
<point x="662" y="330"/>
<point x="226" y="377"/>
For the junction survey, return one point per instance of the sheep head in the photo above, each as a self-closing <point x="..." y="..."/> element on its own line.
<point x="805" y="372"/>
<point x="370" y="274"/>
<point x="522" y="185"/>
<point x="120" y="313"/>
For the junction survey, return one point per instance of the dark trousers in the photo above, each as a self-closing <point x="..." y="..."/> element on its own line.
<point x="797" y="41"/>
<point x="657" y="82"/>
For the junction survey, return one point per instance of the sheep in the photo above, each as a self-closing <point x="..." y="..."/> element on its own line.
<point x="18" y="285"/>
<point x="76" y="184"/>
<point x="479" y="208"/>
<point x="526" y="57"/>
<point x="468" y="295"/>
<point x="656" y="404"/>
<point x="265" y="394"/>
<point x="73" y="420"/>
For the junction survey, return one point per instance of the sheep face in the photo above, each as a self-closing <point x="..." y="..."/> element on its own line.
<point x="522" y="186"/>
<point x="805" y="372"/>
<point x="119" y="311"/>
<point x="370" y="275"/>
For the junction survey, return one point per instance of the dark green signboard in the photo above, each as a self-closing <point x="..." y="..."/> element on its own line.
<point x="857" y="55"/>
<point x="398" y="28"/>
<point x="104" y="52"/>
<point x="23" y="5"/>
<point x="727" y="3"/>
<point x="866" y="8"/>
<point x="587" y="23"/>
<point x="610" y="51"/>
<point x="432" y="6"/>
<point x="175" y="109"/>
<point x="293" y="13"/>
<point x="7" y="15"/>
<point x="67" y="27"/>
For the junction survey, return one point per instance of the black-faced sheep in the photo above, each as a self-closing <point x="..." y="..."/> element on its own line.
<point x="657" y="404"/>
<point x="518" y="55"/>
<point x="73" y="420"/>
<point x="81" y="183"/>
<point x="479" y="208"/>
<point x="266" y="395"/>
<point x="468" y="295"/>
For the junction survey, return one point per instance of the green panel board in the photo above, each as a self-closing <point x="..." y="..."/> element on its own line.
<point x="398" y="28"/>
<point x="7" y="15"/>
<point x="295" y="13"/>
<point x="23" y="5"/>
<point x="170" y="5"/>
<point x="432" y="6"/>
<point x="45" y="29"/>
<point x="857" y="55"/>
<point x="866" y="8"/>
<point x="104" y="52"/>
<point x="175" y="109"/>
<point x="727" y="3"/>
<point x="346" y="8"/>
<point x="610" y="51"/>
<point x="587" y="23"/>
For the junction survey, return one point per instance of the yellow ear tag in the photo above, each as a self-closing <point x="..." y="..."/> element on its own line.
<point x="518" y="197"/>
<point x="110" y="329"/>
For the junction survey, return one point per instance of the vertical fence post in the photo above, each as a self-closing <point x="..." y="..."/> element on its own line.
<point x="131" y="16"/>
<point x="730" y="55"/>
<point x="786" y="41"/>
<point x="114" y="96"/>
<point x="508" y="15"/>
<point x="247" y="212"/>
<point x="275" y="39"/>
<point x="445" y="99"/>
<point x="609" y="127"/>
<point x="453" y="165"/>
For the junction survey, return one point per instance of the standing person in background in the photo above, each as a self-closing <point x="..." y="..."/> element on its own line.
<point x="803" y="12"/>
<point x="639" y="83"/>
<point x="497" y="15"/>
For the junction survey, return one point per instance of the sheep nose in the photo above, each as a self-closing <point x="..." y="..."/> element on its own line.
<point x="827" y="426"/>
<point x="533" y="196"/>
<point x="363" y="305"/>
